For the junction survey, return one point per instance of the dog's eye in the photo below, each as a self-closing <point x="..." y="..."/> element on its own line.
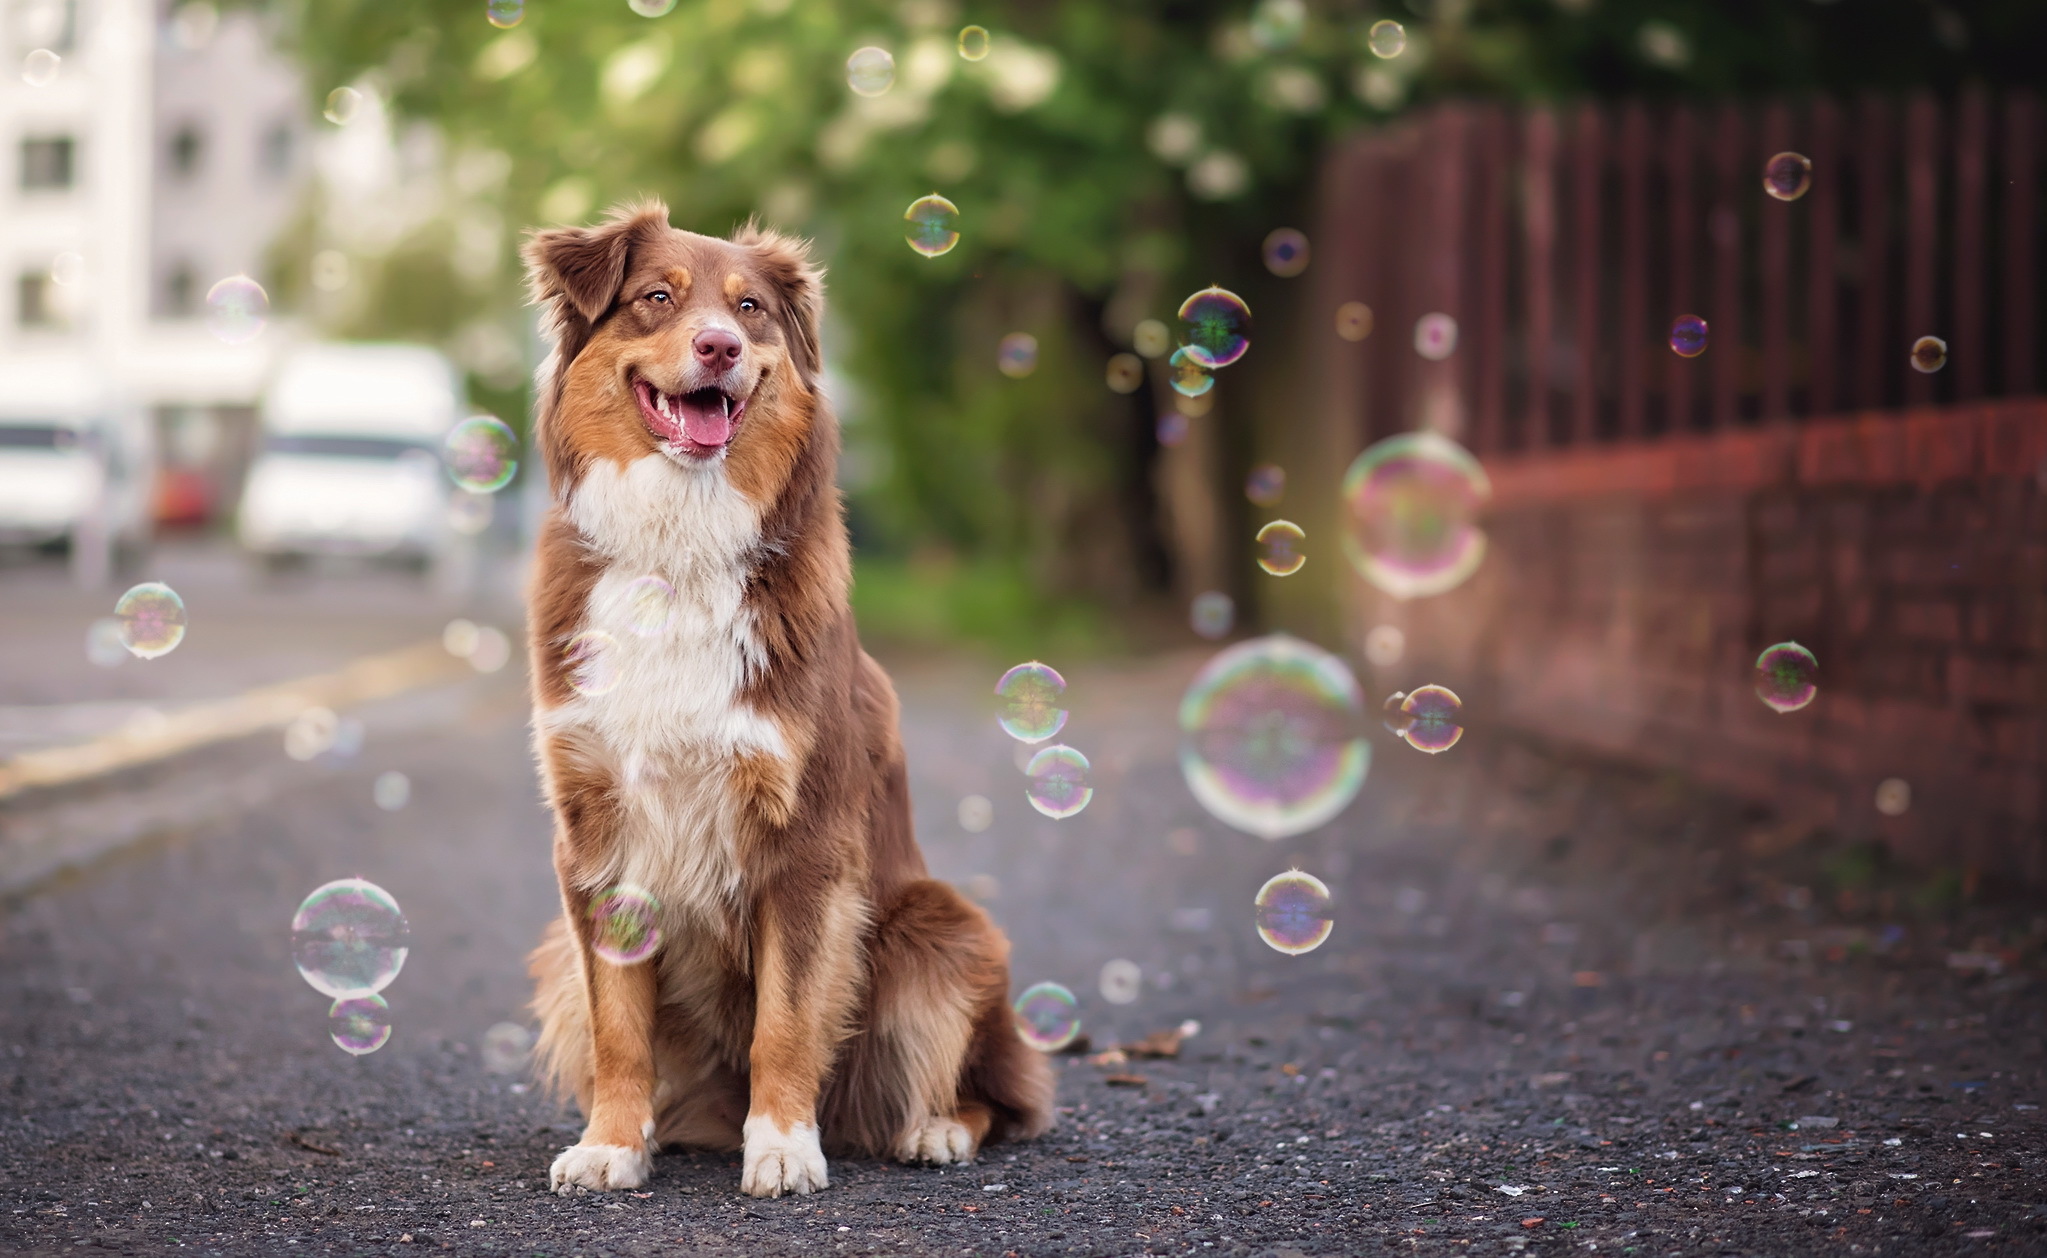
<point x="748" y="304"/>
<point x="658" y="295"/>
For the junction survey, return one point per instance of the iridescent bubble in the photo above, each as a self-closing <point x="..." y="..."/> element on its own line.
<point x="1271" y="736"/>
<point x="1029" y="710"/>
<point x="1435" y="336"/>
<point x="311" y="733"/>
<point x="974" y="43"/>
<point x="359" y="1024"/>
<point x="1121" y="981"/>
<point x="649" y="606"/>
<point x="1286" y="252"/>
<point x="1293" y="912"/>
<point x="1125" y="373"/>
<point x="504" y="14"/>
<point x="1047" y="1017"/>
<point x="1688" y="336"/>
<point x="1277" y="24"/>
<point x="392" y="790"/>
<point x="1894" y="797"/>
<point x="481" y="454"/>
<point x="1266" y="485"/>
<point x="152" y="620"/>
<point x="1218" y="326"/>
<point x="39" y="68"/>
<point x="1386" y="39"/>
<point x="505" y="1047"/>
<point x="1211" y="614"/>
<point x="934" y="225"/>
<point x="459" y="638"/>
<point x="976" y="814"/>
<point x="1929" y="354"/>
<point x="1279" y="548"/>
<point x="1171" y="429"/>
<point x="237" y="309"/>
<point x="625" y="925"/>
<point x="1189" y="377"/>
<point x="1433" y="719"/>
<point x="871" y="71"/>
<point x="651" y="8"/>
<point x="1056" y="782"/>
<point x="1412" y="510"/>
<point x="104" y="644"/>
<point x="1392" y="716"/>
<point x="349" y="939"/>
<point x="592" y="658"/>
<point x="1384" y="645"/>
<point x="1017" y="355"/>
<point x="1150" y="338"/>
<point x="342" y="106"/>
<point x="1787" y="176"/>
<point x="1353" y="321"/>
<point x="1787" y="677"/>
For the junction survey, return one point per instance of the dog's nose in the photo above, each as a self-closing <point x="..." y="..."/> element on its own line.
<point x="716" y="348"/>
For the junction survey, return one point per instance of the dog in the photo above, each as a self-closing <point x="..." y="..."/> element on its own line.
<point x="736" y="772"/>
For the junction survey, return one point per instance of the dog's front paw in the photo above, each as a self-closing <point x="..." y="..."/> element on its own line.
<point x="598" y="1167"/>
<point x="936" y="1142"/>
<point x="780" y="1159"/>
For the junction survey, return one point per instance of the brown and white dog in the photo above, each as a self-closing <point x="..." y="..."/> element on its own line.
<point x="814" y="988"/>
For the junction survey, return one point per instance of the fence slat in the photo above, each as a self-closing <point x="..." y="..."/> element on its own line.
<point x="1492" y="192"/>
<point x="1586" y="254"/>
<point x="1822" y="286"/>
<point x="1972" y="143"/>
<point x="1775" y="235"/>
<point x="1539" y="225"/>
<point x="1724" y="226"/>
<point x="1677" y="156"/>
<point x="2020" y="265"/>
<point x="1634" y="294"/>
<point x="1873" y="249"/>
<point x="1922" y="222"/>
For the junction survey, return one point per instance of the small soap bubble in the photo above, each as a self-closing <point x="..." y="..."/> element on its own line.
<point x="1286" y="252"/>
<point x="651" y="8"/>
<point x="311" y="733"/>
<point x="392" y="790"/>
<point x="1272" y="739"/>
<point x="349" y="938"/>
<point x="505" y="1048"/>
<point x="1435" y="336"/>
<point x="1029" y="697"/>
<point x="504" y="14"/>
<point x="1047" y="1017"/>
<point x="1392" y="716"/>
<point x="104" y="642"/>
<point x="1787" y="176"/>
<point x="1171" y="429"/>
<point x="459" y="638"/>
<point x="237" y="309"/>
<point x="1293" y="912"/>
<point x="1211" y="614"/>
<point x="871" y="71"/>
<point x="1688" y="336"/>
<point x="1386" y="39"/>
<point x="1929" y="354"/>
<point x="493" y="650"/>
<point x="1412" y="505"/>
<point x="1279" y="548"/>
<point x="1787" y="677"/>
<point x="625" y="925"/>
<point x="342" y="105"/>
<point x="1353" y="321"/>
<point x="1017" y="355"/>
<point x="359" y="1024"/>
<point x="1385" y="645"/>
<point x="1218" y="326"/>
<point x="1151" y="338"/>
<point x="1893" y="797"/>
<point x="481" y="454"/>
<point x="1125" y="372"/>
<point x="974" y="43"/>
<point x="1121" y="981"/>
<point x="152" y="620"/>
<point x="1057" y="782"/>
<point x="470" y="514"/>
<point x="39" y="68"/>
<point x="933" y="225"/>
<point x="592" y="659"/>
<point x="1189" y="377"/>
<point x="976" y="814"/>
<point x="1266" y="485"/>
<point x="67" y="268"/>
<point x="1434" y="716"/>
<point x="649" y="606"/>
<point x="1277" y="25"/>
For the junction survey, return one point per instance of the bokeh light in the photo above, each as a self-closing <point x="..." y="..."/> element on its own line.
<point x="1929" y="354"/>
<point x="973" y="43"/>
<point x="1280" y="548"/>
<point x="871" y="71"/>
<point x="392" y="790"/>
<point x="1385" y="645"/>
<point x="1189" y="377"/>
<point x="651" y="8"/>
<point x="592" y="658"/>
<point x="481" y="454"/>
<point x="1017" y="355"/>
<point x="1212" y="613"/>
<point x="1056" y="782"/>
<point x="1412" y="505"/>
<point x="1787" y="677"/>
<point x="1894" y="797"/>
<point x="1354" y="321"/>
<point x="1433" y="719"/>
<point x="359" y="1024"/>
<point x="1266" y="484"/>
<point x="625" y="924"/>
<point x="649" y="606"/>
<point x="1028" y="697"/>
<point x="105" y="645"/>
<point x="1217" y="326"/>
<point x="152" y="620"/>
<point x="1171" y="428"/>
<point x="976" y="814"/>
<point x="1125" y="373"/>
<point x="343" y="103"/>
<point x="1435" y="336"/>
<point x="1787" y="176"/>
<point x="349" y="938"/>
<point x="1047" y="1016"/>
<point x="1286" y="252"/>
<point x="1121" y="981"/>
<point x="493" y="650"/>
<point x="459" y="637"/>
<point x="311" y="733"/>
<point x="934" y="225"/>
<point x="1293" y="913"/>
<point x="470" y="514"/>
<point x="504" y="14"/>
<point x="1277" y="25"/>
<point x="1688" y="336"/>
<point x="237" y="309"/>
<point x="1386" y="38"/>
<point x="1151" y="338"/>
<point x="505" y="1048"/>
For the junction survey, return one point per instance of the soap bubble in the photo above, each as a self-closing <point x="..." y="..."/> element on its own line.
<point x="974" y="43"/>
<point x="1030" y="694"/>
<point x="592" y="657"/>
<point x="625" y="925"/>
<point x="1787" y="176"/>
<point x="237" y="309"/>
<point x="104" y="642"/>
<point x="349" y="938"/>
<point x="311" y="733"/>
<point x="1787" y="677"/>
<point x="359" y="1024"/>
<point x="505" y="1048"/>
<point x="1272" y="740"/>
<point x="1266" y="485"/>
<point x="1412" y="509"/>
<point x="1211" y="614"/>
<point x="152" y="620"/>
<point x="1393" y="716"/>
<point x="1047" y="1017"/>
<point x="1929" y="354"/>
<point x="1435" y="336"/>
<point x="651" y="8"/>
<point x="649" y="606"/>
<point x="1432" y="719"/>
<point x="1189" y="377"/>
<point x="1057" y="782"/>
<point x="470" y="514"/>
<point x="1293" y="912"/>
<point x="1286" y="252"/>
<point x="392" y="790"/>
<point x="1017" y="355"/>
<point x="871" y="71"/>
<point x="1893" y="797"/>
<point x="1150" y="338"/>
<point x="342" y="105"/>
<point x="1384" y="645"/>
<point x="481" y="454"/>
<point x="1353" y="321"/>
<point x="39" y="68"/>
<point x="1121" y="982"/>
<point x="1218" y="326"/>
<point x="504" y="14"/>
<point x="934" y="225"/>
<point x="1386" y="39"/>
<point x="1279" y="548"/>
<point x="1688" y="336"/>
<point x="976" y="814"/>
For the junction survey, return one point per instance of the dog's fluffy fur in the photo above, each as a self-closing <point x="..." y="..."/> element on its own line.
<point x="813" y="988"/>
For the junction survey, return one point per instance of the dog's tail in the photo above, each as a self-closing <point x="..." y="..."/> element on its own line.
<point x="1013" y="1079"/>
<point x="561" y="1057"/>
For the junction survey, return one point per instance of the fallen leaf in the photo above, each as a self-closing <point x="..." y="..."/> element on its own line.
<point x="1108" y="1057"/>
<point x="1534" y="1222"/>
<point x="1164" y="1043"/>
<point x="1125" y="1081"/>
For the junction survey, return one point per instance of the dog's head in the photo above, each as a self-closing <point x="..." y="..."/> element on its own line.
<point x="701" y="349"/>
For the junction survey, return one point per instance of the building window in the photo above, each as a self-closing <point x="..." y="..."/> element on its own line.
<point x="180" y="291"/>
<point x="275" y="155"/>
<point x="187" y="147"/>
<point x="35" y="304"/>
<point x="47" y="163"/>
<point x="51" y="24"/>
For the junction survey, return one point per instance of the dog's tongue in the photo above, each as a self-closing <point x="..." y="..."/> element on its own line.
<point x="706" y="418"/>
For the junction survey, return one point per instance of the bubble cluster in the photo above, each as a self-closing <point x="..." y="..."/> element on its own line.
<point x="1125" y="373"/>
<point x="1150" y="338"/>
<point x="1787" y="677"/>
<point x="1411" y="505"/>
<point x="592" y="658"/>
<point x="1384" y="645"/>
<point x="1121" y="981"/>
<point x="1929" y="354"/>
<point x="1286" y="252"/>
<point x="1279" y="548"/>
<point x="481" y="454"/>
<point x="237" y="309"/>
<point x="1017" y="355"/>
<point x="934" y="225"/>
<point x="1266" y="485"/>
<point x="1189" y="377"/>
<point x="1293" y="912"/>
<point x="1271" y="738"/>
<point x="104" y="643"/>
<point x="1787" y="176"/>
<point x="152" y="620"/>
<point x="1688" y="336"/>
<point x="1218" y="326"/>
<point x="392" y="790"/>
<point x="1387" y="39"/>
<point x="39" y="68"/>
<point x="1212" y="613"/>
<point x="1894" y="797"/>
<point x="1430" y="719"/>
<point x="1047" y="1017"/>
<point x="974" y="43"/>
<point x="505" y="1047"/>
<point x="625" y="925"/>
<point x="504" y="14"/>
<point x="649" y="606"/>
<point x="349" y="938"/>
<point x="1029" y="709"/>
<point x="1056" y="782"/>
<point x="359" y="1024"/>
<point x="871" y="71"/>
<point x="1435" y="336"/>
<point x="342" y="105"/>
<point x="1354" y="321"/>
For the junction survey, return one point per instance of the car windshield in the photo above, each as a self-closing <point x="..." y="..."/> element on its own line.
<point x="37" y="437"/>
<point x="342" y="447"/>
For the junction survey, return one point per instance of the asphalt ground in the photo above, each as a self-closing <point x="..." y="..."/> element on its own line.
<point x="1565" y="1006"/>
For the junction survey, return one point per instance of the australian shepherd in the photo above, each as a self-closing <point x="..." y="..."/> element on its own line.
<point x="736" y="770"/>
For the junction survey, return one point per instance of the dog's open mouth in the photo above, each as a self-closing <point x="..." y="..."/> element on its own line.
<point x="700" y="422"/>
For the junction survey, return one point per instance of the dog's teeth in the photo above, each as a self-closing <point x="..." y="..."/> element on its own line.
<point x="666" y="406"/>
<point x="728" y="404"/>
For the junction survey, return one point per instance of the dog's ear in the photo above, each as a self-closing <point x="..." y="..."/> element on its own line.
<point x="575" y="272"/>
<point x="785" y="263"/>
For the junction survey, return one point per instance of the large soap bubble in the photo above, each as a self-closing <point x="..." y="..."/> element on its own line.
<point x="349" y="938"/>
<point x="1411" y="507"/>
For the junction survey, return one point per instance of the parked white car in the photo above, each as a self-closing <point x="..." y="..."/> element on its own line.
<point x="76" y="468"/>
